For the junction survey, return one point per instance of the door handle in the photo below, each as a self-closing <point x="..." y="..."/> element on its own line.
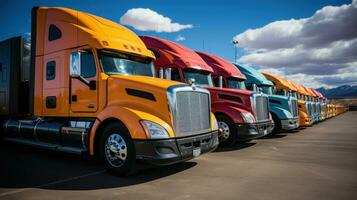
<point x="91" y="105"/>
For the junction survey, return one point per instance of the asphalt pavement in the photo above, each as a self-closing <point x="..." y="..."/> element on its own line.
<point x="319" y="162"/>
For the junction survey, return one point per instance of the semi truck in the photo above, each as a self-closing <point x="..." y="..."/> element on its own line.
<point x="242" y="115"/>
<point x="314" y="105"/>
<point x="283" y="109"/>
<point x="226" y="75"/>
<point x="305" y="108"/>
<point x="86" y="85"/>
<point x="321" y="104"/>
<point x="288" y="88"/>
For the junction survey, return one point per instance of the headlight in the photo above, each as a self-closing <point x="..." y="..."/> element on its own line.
<point x="247" y="117"/>
<point x="154" y="130"/>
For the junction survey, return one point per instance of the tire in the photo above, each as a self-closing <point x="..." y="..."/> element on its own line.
<point x="118" y="156"/>
<point x="229" y="135"/>
<point x="277" y="125"/>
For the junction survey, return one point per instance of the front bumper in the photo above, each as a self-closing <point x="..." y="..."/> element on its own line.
<point x="255" y="130"/>
<point x="306" y="121"/>
<point x="174" y="150"/>
<point x="290" y="124"/>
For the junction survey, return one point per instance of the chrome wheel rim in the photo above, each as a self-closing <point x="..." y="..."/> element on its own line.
<point x="225" y="130"/>
<point x="116" y="150"/>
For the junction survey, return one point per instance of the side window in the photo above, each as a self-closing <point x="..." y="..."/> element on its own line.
<point x="88" y="68"/>
<point x="215" y="81"/>
<point x="51" y="70"/>
<point x="249" y="86"/>
<point x="175" y="75"/>
<point x="54" y="33"/>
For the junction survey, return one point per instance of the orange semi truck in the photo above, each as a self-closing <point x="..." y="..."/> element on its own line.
<point x="305" y="107"/>
<point x="87" y="86"/>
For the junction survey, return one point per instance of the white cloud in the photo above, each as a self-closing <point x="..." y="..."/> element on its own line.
<point x="145" y="19"/>
<point x="321" y="49"/>
<point x="180" y="38"/>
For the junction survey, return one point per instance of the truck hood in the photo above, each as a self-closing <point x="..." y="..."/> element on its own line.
<point x="231" y="90"/>
<point x="233" y="97"/>
<point x="147" y="81"/>
<point x="145" y="94"/>
<point x="278" y="97"/>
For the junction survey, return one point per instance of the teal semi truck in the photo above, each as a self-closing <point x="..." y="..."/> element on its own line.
<point x="284" y="109"/>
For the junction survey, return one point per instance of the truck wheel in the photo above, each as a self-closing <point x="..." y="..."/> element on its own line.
<point x="277" y="125"/>
<point x="117" y="150"/>
<point x="228" y="137"/>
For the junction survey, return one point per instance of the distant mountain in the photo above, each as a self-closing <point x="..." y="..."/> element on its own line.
<point x="339" y="92"/>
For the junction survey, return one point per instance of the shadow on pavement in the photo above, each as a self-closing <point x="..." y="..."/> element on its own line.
<point x="280" y="135"/>
<point x="237" y="146"/>
<point x="26" y="167"/>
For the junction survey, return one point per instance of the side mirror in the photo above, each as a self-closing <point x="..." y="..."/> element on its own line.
<point x="254" y="87"/>
<point x="220" y="81"/>
<point x="75" y="71"/>
<point x="75" y="59"/>
<point x="92" y="85"/>
<point x="168" y="73"/>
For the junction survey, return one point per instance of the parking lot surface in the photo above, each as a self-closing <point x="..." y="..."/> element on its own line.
<point x="319" y="162"/>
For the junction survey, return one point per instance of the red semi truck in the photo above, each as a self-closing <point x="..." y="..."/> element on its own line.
<point x="241" y="115"/>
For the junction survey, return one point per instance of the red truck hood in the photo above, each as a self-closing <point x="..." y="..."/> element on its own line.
<point x="230" y="90"/>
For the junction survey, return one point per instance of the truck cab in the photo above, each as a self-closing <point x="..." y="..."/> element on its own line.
<point x="241" y="115"/>
<point x="284" y="84"/>
<point x="321" y="104"/>
<point x="314" y="104"/>
<point x="89" y="88"/>
<point x="304" y="106"/>
<point x="226" y="75"/>
<point x="283" y="107"/>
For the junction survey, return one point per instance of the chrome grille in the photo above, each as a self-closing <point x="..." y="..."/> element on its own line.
<point x="294" y="107"/>
<point x="309" y="108"/>
<point x="190" y="109"/>
<point x="260" y="104"/>
<point x="314" y="110"/>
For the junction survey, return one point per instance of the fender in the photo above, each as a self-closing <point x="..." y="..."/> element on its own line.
<point x="232" y="112"/>
<point x="303" y="114"/>
<point x="303" y="117"/>
<point x="280" y="112"/>
<point x="130" y="118"/>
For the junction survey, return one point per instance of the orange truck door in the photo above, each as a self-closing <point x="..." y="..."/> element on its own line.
<point x="84" y="82"/>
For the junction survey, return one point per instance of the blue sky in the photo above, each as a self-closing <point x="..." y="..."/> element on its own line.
<point x="214" y="24"/>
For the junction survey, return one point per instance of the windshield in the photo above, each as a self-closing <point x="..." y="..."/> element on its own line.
<point x="202" y="78"/>
<point x="117" y="63"/>
<point x="267" y="89"/>
<point x="236" y="83"/>
<point x="293" y="94"/>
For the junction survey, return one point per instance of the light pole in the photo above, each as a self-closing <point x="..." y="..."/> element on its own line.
<point x="235" y="43"/>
